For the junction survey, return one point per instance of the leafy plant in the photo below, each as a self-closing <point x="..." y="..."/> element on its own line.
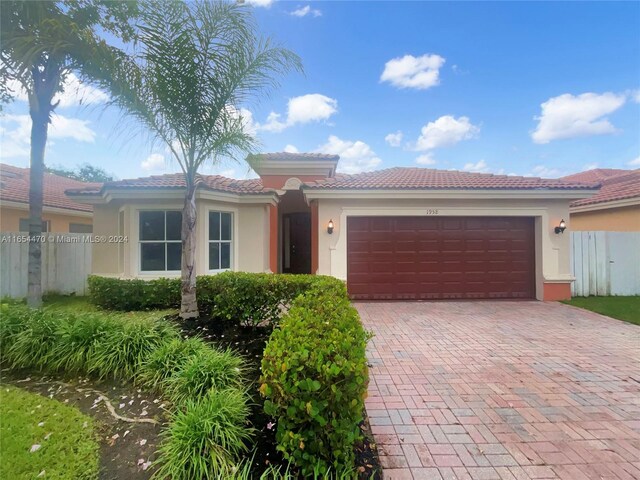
<point x="206" y="369"/>
<point x="314" y="378"/>
<point x="168" y="359"/>
<point x="205" y="437"/>
<point x="121" y="351"/>
<point x="31" y="346"/>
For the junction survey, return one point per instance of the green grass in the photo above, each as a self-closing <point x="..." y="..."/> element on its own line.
<point x="622" y="308"/>
<point x="68" y="447"/>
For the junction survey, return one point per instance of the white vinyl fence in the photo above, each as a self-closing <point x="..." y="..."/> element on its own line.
<point x="605" y="263"/>
<point x="66" y="263"/>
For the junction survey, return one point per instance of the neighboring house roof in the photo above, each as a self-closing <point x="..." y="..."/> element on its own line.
<point x="623" y="186"/>
<point x="14" y="187"/>
<point x="594" y="175"/>
<point x="430" y="179"/>
<point x="176" y="180"/>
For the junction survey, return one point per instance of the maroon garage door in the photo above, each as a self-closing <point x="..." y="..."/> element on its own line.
<point x="440" y="257"/>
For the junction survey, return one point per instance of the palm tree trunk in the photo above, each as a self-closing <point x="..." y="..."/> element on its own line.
<point x="39" y="128"/>
<point x="189" y="303"/>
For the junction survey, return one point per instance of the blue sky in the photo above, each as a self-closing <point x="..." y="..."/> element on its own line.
<point x="541" y="89"/>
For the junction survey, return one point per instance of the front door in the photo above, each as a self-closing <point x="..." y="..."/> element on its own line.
<point x="296" y="243"/>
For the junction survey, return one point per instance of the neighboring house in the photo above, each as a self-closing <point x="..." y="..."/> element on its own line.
<point x="59" y="212"/>
<point x="615" y="208"/>
<point x="401" y="233"/>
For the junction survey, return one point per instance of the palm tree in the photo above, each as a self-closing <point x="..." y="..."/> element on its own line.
<point x="42" y="42"/>
<point x="197" y="63"/>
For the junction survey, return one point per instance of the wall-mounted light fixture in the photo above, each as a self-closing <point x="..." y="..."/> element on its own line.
<point x="562" y="227"/>
<point x="330" y="227"/>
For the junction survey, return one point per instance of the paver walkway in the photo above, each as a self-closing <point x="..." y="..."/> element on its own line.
<point x="503" y="390"/>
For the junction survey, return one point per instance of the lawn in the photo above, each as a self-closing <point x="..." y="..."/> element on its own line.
<point x="40" y="437"/>
<point x="622" y="308"/>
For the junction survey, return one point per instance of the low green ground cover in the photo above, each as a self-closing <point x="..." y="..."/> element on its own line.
<point x="43" y="437"/>
<point x="622" y="308"/>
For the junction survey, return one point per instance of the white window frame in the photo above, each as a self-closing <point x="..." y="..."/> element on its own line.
<point x="165" y="241"/>
<point x="232" y="242"/>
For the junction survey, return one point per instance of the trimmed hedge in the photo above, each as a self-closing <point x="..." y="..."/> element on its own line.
<point x="314" y="378"/>
<point x="249" y="298"/>
<point x="132" y="295"/>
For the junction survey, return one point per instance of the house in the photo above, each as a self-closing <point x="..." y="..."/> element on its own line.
<point x="615" y="208"/>
<point x="400" y="233"/>
<point x="59" y="213"/>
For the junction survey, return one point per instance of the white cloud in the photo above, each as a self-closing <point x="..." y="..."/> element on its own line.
<point x="425" y="159"/>
<point x="570" y="116"/>
<point x="306" y="10"/>
<point x="546" y="172"/>
<point x="64" y="127"/>
<point x="445" y="131"/>
<point x="75" y="93"/>
<point x="154" y="162"/>
<point x="355" y="156"/>
<point x="634" y="95"/>
<point x="259" y="3"/>
<point x="413" y="72"/>
<point x="394" y="139"/>
<point x="478" y="167"/>
<point x="312" y="107"/>
<point x="15" y="133"/>
<point x="291" y="149"/>
<point x="591" y="166"/>
<point x="635" y="162"/>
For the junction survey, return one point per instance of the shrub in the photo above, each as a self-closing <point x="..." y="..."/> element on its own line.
<point x="249" y="298"/>
<point x="314" y="377"/>
<point x="167" y="359"/>
<point x="31" y="344"/>
<point x="121" y="351"/>
<point x="205" y="437"/>
<point x="206" y="369"/>
<point x="75" y="339"/>
<point x="129" y="295"/>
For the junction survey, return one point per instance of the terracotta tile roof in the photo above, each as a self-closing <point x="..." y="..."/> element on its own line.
<point x="431" y="179"/>
<point x="288" y="156"/>
<point x="176" y="180"/>
<point x="594" y="175"/>
<point x="14" y="187"/>
<point x="618" y="187"/>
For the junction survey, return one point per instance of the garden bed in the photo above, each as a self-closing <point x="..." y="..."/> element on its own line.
<point x="250" y="343"/>
<point x="126" y="449"/>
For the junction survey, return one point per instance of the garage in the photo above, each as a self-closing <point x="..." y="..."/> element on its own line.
<point x="433" y="257"/>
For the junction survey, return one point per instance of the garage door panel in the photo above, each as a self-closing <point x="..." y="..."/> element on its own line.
<point x="440" y="257"/>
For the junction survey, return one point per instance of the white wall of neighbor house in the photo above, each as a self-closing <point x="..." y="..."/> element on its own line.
<point x="250" y="237"/>
<point x="552" y="250"/>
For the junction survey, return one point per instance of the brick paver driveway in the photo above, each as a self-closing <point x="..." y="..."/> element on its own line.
<point x="503" y="390"/>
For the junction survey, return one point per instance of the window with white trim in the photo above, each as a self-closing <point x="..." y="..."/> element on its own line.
<point x="220" y="227"/>
<point x="160" y="240"/>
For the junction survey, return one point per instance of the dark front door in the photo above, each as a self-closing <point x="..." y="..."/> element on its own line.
<point x="420" y="258"/>
<point x="297" y="243"/>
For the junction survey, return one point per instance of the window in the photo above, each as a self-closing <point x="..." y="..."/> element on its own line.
<point x="220" y="225"/>
<point x="24" y="225"/>
<point x="160" y="241"/>
<point x="80" y="228"/>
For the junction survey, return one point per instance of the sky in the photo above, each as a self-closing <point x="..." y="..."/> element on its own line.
<point x="541" y="89"/>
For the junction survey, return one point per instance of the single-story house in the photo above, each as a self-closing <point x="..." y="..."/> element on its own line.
<point x="616" y="206"/>
<point x="60" y="214"/>
<point x="399" y="233"/>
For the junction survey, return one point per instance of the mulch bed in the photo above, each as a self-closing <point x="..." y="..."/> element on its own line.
<point x="126" y="449"/>
<point x="250" y="342"/>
